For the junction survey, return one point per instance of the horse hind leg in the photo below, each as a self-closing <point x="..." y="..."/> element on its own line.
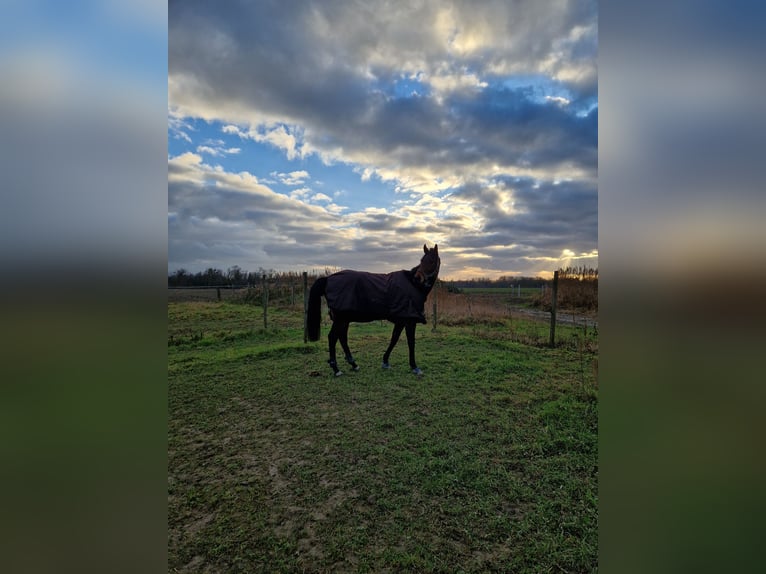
<point x="343" y="337"/>
<point x="332" y="339"/>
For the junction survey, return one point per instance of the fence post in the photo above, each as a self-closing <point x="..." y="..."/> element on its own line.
<point x="265" y="301"/>
<point x="435" y="291"/>
<point x="305" y="306"/>
<point x="218" y="291"/>
<point x="553" y="307"/>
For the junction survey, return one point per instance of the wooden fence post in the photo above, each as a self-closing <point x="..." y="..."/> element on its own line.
<point x="265" y="301"/>
<point x="553" y="307"/>
<point x="435" y="291"/>
<point x="305" y="306"/>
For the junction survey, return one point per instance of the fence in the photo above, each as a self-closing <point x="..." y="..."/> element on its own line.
<point x="445" y="306"/>
<point x="281" y="292"/>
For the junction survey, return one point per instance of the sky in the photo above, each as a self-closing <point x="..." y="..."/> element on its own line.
<point x="312" y="135"/>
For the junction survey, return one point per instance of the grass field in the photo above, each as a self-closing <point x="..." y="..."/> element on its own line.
<point x="486" y="463"/>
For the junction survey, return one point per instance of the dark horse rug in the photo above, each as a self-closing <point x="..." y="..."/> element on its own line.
<point x="361" y="297"/>
<point x="380" y="295"/>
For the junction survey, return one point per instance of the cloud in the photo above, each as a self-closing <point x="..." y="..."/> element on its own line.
<point x="217" y="149"/>
<point x="300" y="193"/>
<point x="279" y="137"/>
<point x="233" y="218"/>
<point x="292" y="178"/>
<point x="331" y="90"/>
<point x="222" y="214"/>
<point x="208" y="150"/>
<point x="470" y="112"/>
<point x="502" y="225"/>
<point x="179" y="127"/>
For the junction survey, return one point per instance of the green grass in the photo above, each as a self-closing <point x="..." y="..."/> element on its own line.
<point x="486" y="463"/>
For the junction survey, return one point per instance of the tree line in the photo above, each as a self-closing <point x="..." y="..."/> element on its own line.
<point x="212" y="277"/>
<point x="580" y="273"/>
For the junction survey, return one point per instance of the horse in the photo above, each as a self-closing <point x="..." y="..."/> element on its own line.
<point x="361" y="297"/>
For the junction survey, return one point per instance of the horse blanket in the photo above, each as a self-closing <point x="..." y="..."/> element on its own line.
<point x="383" y="295"/>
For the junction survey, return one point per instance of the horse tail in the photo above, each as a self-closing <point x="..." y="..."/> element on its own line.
<point x="314" y="311"/>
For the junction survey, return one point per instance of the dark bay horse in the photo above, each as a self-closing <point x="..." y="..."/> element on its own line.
<point x="361" y="297"/>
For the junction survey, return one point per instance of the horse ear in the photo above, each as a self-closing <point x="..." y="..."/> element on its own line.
<point x="436" y="249"/>
<point x="425" y="249"/>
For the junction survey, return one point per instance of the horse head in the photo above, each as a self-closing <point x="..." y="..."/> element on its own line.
<point x="428" y="270"/>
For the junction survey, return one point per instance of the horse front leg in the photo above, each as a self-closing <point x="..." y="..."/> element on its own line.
<point x="332" y="339"/>
<point x="411" y="344"/>
<point x="398" y="327"/>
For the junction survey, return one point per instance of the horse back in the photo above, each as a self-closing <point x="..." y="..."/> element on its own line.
<point x="372" y="296"/>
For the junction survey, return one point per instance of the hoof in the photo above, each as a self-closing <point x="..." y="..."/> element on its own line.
<point x="417" y="372"/>
<point x="334" y="366"/>
<point x="350" y="360"/>
<point x="386" y="365"/>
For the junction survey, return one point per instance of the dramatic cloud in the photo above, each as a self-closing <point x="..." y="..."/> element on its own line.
<point x="481" y="118"/>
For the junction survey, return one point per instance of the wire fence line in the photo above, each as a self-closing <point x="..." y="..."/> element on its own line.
<point x="443" y="306"/>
